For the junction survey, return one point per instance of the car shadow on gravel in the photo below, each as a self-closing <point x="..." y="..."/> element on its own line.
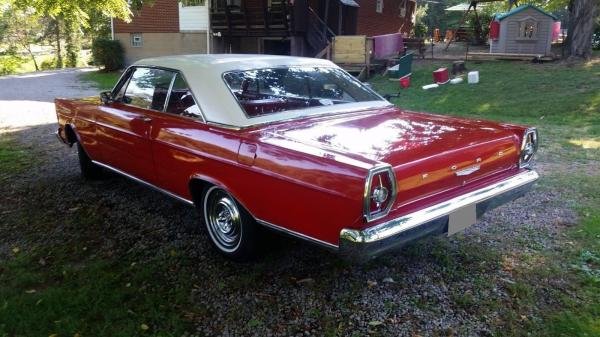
<point x="461" y="283"/>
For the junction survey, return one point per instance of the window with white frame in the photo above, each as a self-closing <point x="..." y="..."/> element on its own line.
<point x="379" y="6"/>
<point x="528" y="29"/>
<point x="137" y="40"/>
<point x="191" y="3"/>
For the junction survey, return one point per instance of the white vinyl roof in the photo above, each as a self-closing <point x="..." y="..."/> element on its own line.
<point x="204" y="73"/>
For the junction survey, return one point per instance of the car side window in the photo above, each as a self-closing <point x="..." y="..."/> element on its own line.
<point x="181" y="101"/>
<point x="148" y="88"/>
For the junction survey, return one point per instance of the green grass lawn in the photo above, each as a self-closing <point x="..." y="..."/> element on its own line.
<point x="563" y="102"/>
<point x="72" y="290"/>
<point x="101" y="80"/>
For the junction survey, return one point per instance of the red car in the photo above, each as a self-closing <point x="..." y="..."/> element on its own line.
<point x="299" y="146"/>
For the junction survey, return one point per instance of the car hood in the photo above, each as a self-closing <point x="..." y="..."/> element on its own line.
<point x="429" y="153"/>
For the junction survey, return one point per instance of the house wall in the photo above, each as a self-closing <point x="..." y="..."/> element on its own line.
<point x="162" y="44"/>
<point x="371" y="23"/>
<point x="166" y="28"/>
<point x="162" y="16"/>
<point x="509" y="32"/>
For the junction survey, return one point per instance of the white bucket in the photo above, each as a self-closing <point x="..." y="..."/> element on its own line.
<point x="473" y="77"/>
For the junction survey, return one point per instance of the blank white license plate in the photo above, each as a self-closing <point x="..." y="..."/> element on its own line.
<point x="461" y="219"/>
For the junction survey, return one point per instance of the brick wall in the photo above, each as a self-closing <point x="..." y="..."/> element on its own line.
<point x="371" y="23"/>
<point x="162" y="17"/>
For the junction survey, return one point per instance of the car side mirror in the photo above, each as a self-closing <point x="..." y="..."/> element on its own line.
<point x="106" y="97"/>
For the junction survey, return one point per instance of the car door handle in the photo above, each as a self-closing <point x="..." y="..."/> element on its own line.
<point x="145" y="119"/>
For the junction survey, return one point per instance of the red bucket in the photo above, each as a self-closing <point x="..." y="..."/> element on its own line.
<point x="405" y="82"/>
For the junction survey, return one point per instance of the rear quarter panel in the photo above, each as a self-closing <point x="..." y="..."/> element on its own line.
<point x="303" y="193"/>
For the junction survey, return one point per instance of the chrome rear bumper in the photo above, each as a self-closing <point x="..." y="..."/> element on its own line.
<point x="395" y="233"/>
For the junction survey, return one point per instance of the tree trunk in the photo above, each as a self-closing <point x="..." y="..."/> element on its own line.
<point x="59" y="59"/>
<point x="37" y="68"/>
<point x="582" y="14"/>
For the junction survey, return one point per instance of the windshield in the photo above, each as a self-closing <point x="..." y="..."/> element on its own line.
<point x="269" y="91"/>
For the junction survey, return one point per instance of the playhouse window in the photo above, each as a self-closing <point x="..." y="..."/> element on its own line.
<point x="528" y="29"/>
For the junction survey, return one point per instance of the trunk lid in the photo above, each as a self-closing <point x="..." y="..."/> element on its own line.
<point x="430" y="154"/>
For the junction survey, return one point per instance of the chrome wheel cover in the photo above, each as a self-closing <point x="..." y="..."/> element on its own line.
<point x="223" y="220"/>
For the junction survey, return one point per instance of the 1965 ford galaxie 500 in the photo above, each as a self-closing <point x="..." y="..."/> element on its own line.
<point x="299" y="146"/>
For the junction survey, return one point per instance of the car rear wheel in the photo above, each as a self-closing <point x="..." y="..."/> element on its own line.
<point x="232" y="231"/>
<point x="89" y="170"/>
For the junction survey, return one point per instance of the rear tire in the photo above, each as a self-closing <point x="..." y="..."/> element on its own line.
<point x="89" y="170"/>
<point x="231" y="229"/>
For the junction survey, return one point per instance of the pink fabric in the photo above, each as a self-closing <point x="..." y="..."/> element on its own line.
<point x="555" y="30"/>
<point x="387" y="45"/>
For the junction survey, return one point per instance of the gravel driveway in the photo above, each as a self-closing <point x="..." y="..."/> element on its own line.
<point x="28" y="99"/>
<point x="438" y="287"/>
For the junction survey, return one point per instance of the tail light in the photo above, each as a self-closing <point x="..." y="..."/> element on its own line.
<point x="380" y="192"/>
<point x="529" y="147"/>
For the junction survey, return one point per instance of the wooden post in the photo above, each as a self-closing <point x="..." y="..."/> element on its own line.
<point x="228" y="19"/>
<point x="246" y="16"/>
<point x="340" y="18"/>
<point x="265" y="16"/>
<point x="477" y="25"/>
<point x="326" y="17"/>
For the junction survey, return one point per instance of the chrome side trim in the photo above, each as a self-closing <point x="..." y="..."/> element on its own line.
<point x="321" y="243"/>
<point x="189" y="202"/>
<point x="404" y="223"/>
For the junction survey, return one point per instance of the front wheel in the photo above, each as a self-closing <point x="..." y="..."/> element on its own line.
<point x="233" y="232"/>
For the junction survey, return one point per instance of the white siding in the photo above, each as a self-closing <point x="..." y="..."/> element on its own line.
<point x="193" y="18"/>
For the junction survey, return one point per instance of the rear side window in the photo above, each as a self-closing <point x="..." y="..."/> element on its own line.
<point x="148" y="88"/>
<point x="181" y="101"/>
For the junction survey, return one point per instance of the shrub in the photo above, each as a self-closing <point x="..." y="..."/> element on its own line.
<point x="48" y="64"/>
<point x="10" y="63"/>
<point x="108" y="53"/>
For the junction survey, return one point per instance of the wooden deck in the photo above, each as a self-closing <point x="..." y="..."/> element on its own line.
<point x="500" y="56"/>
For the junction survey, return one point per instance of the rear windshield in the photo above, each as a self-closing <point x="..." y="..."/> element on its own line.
<point x="268" y="91"/>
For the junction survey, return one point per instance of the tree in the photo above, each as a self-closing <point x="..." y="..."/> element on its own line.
<point x="21" y="29"/>
<point x="583" y="15"/>
<point x="70" y="17"/>
<point x="582" y="20"/>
